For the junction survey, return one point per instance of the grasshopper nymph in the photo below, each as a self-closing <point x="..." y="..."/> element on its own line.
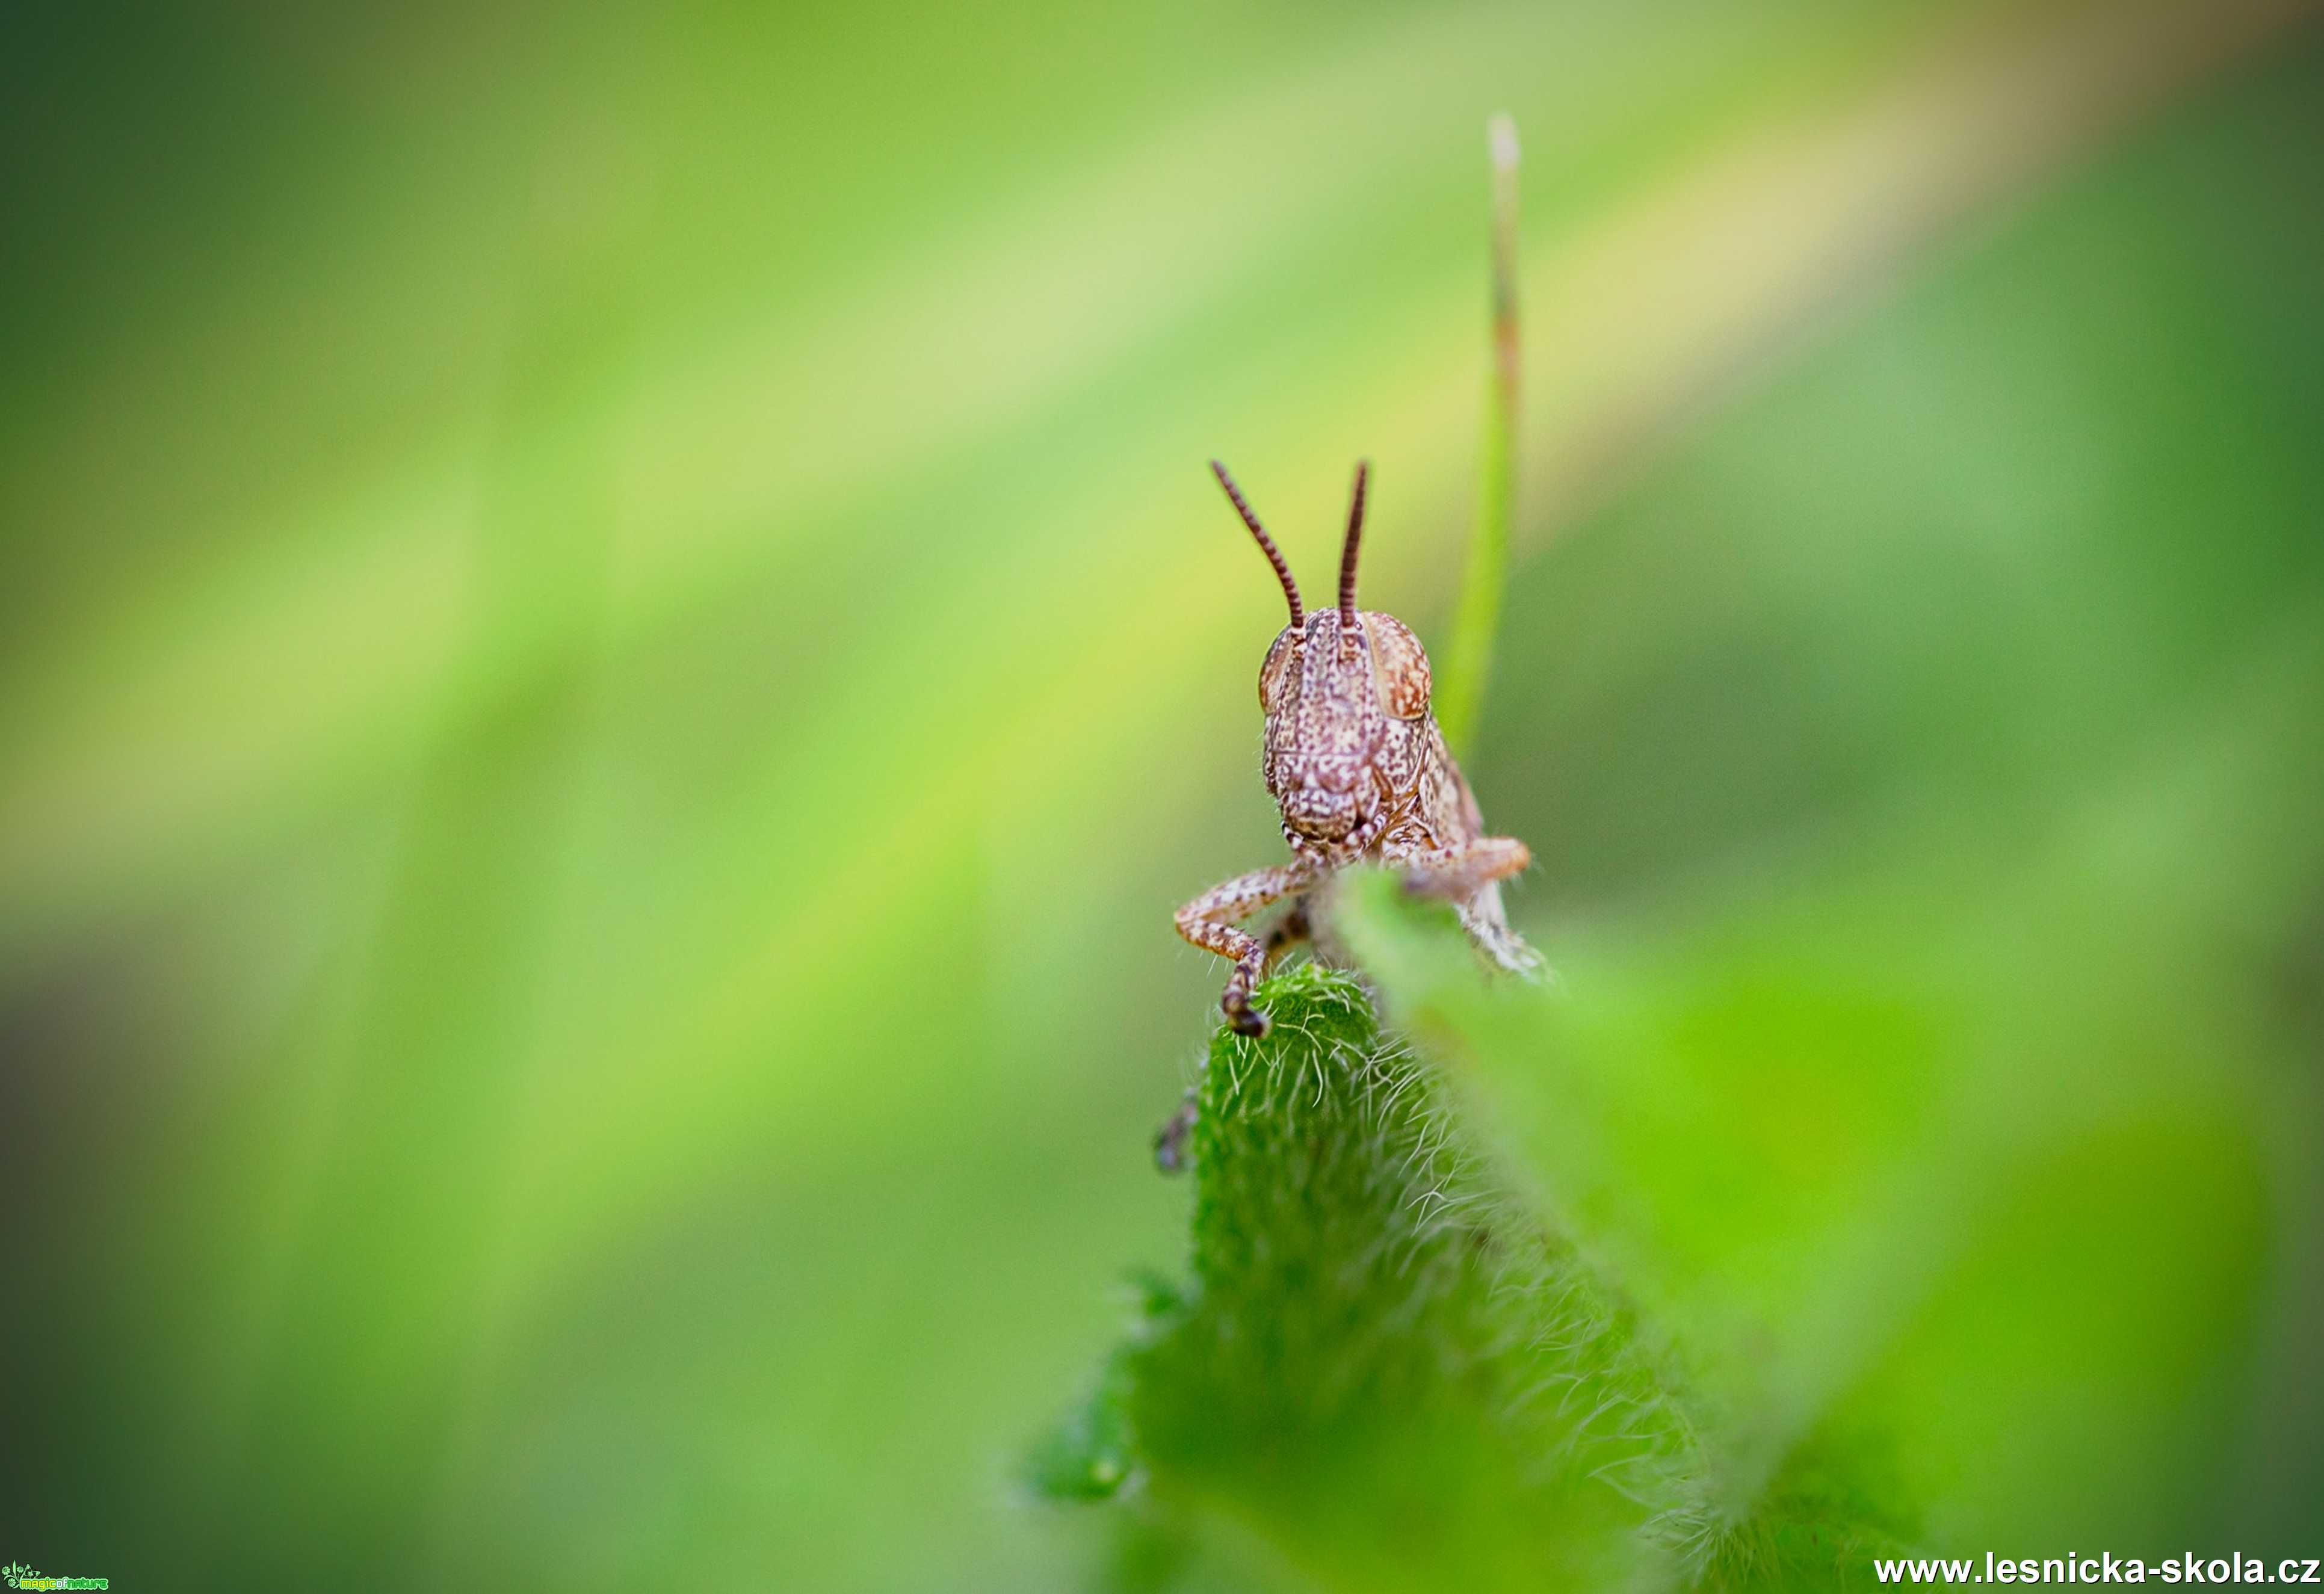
<point x="1355" y="761"/>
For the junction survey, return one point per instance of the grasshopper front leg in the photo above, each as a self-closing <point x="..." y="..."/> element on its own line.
<point x="1208" y="922"/>
<point x="1469" y="873"/>
<point x="1464" y="867"/>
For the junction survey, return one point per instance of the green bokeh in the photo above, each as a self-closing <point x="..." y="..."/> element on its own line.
<point x="614" y="648"/>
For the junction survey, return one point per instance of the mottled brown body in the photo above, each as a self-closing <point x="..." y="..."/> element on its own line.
<point x="1355" y="763"/>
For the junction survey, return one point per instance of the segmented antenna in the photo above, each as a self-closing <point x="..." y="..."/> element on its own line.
<point x="1265" y="543"/>
<point x="1347" y="554"/>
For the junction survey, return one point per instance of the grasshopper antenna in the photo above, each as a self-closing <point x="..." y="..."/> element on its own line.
<point x="1348" y="553"/>
<point x="1265" y="543"/>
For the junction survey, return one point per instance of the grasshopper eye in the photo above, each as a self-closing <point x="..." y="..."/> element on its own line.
<point x="1399" y="664"/>
<point x="1274" y="673"/>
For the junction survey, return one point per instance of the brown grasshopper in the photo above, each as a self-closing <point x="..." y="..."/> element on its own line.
<point x="1354" y="760"/>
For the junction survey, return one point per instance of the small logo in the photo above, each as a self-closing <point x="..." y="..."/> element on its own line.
<point x="20" y="1576"/>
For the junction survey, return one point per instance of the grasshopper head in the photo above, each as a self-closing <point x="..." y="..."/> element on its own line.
<point x="1345" y="692"/>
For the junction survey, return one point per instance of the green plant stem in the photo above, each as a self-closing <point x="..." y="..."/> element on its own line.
<point x="1469" y="656"/>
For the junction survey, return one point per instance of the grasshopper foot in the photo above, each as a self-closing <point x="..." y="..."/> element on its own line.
<point x="1245" y="1019"/>
<point x="1170" y="1140"/>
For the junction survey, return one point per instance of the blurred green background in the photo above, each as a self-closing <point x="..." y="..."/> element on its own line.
<point x="614" y="648"/>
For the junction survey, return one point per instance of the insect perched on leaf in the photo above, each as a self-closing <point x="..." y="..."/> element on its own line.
<point x="1355" y="761"/>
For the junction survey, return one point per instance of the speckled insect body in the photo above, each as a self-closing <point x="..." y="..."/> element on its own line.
<point x="1355" y="761"/>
